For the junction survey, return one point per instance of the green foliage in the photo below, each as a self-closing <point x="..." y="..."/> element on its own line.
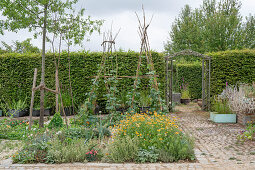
<point x="215" y="26"/>
<point x="145" y="100"/>
<point x="16" y="72"/>
<point x="27" y="14"/>
<point x="74" y="151"/>
<point x="86" y="133"/>
<point x="149" y="155"/>
<point x="56" y="121"/>
<point x="36" y="151"/>
<point x="44" y="149"/>
<point x="221" y="107"/>
<point x="233" y="67"/>
<point x="17" y="130"/>
<point x="123" y="150"/>
<point x="247" y="134"/>
<point x="249" y="32"/>
<point x="21" y="47"/>
<point x="188" y="79"/>
<point x="16" y="105"/>
<point x="185" y="94"/>
<point x="66" y="99"/>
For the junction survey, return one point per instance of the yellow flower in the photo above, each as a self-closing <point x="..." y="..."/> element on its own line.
<point x="177" y="133"/>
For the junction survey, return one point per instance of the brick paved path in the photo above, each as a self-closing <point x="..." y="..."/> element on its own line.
<point x="215" y="143"/>
<point x="215" y="148"/>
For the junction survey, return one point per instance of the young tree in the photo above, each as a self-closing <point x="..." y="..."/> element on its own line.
<point x="34" y="15"/>
<point x="72" y="28"/>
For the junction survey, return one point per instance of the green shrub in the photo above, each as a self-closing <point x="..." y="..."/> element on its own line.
<point x="74" y="151"/>
<point x="35" y="151"/>
<point x="221" y="107"/>
<point x="123" y="150"/>
<point x="56" y="121"/>
<point x="53" y="149"/>
<point x="149" y="155"/>
<point x="78" y="133"/>
<point x="248" y="133"/>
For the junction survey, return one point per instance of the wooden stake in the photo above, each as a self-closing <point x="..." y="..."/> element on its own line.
<point x="32" y="99"/>
<point x="63" y="107"/>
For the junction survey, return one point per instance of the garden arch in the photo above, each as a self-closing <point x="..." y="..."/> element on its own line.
<point x="206" y="75"/>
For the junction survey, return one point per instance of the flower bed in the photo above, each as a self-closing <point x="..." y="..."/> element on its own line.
<point x="149" y="139"/>
<point x="136" y="138"/>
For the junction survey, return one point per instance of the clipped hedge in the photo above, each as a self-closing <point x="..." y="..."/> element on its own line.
<point x="16" y="73"/>
<point x="235" y="66"/>
<point x="191" y="74"/>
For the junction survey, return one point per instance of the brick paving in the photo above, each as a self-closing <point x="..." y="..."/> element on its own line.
<point x="216" y="147"/>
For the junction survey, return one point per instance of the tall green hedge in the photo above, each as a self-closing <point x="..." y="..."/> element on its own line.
<point x="16" y="73"/>
<point x="191" y="75"/>
<point x="234" y="67"/>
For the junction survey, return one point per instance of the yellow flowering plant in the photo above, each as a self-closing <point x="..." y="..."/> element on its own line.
<point x="159" y="131"/>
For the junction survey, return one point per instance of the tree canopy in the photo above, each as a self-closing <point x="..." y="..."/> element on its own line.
<point x="20" y="47"/>
<point x="212" y="27"/>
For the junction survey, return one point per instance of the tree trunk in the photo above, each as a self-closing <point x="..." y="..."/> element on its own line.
<point x="41" y="122"/>
<point x="57" y="87"/>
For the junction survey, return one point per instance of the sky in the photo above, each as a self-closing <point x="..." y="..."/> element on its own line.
<point x="120" y="14"/>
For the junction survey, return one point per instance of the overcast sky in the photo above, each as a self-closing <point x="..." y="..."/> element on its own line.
<point x="122" y="14"/>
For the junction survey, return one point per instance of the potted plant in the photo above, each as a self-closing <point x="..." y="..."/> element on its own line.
<point x="185" y="95"/>
<point x="47" y="110"/>
<point x="17" y="108"/>
<point x="145" y="102"/>
<point x="222" y="112"/>
<point x="176" y="97"/>
<point x="36" y="110"/>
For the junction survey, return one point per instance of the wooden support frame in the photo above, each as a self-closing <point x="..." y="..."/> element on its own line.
<point x="32" y="99"/>
<point x="41" y="86"/>
<point x="145" y="49"/>
<point x="206" y="78"/>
